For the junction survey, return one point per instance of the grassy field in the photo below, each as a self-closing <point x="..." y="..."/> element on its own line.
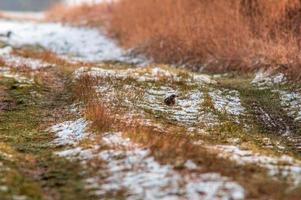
<point x="82" y="119"/>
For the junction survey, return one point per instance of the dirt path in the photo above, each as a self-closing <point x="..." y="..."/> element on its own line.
<point x="80" y="119"/>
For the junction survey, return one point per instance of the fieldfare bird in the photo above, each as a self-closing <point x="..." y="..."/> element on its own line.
<point x="170" y="100"/>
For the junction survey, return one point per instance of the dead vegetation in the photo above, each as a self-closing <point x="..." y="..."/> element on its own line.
<point x="100" y="116"/>
<point x="47" y="56"/>
<point x="219" y="34"/>
<point x="91" y="15"/>
<point x="214" y="35"/>
<point x="2" y="62"/>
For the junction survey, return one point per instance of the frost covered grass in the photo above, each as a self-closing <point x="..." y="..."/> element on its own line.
<point x="284" y="166"/>
<point x="284" y="104"/>
<point x="144" y="89"/>
<point x="132" y="169"/>
<point x="227" y="101"/>
<point x="14" y="61"/>
<point x="291" y="101"/>
<point x="142" y="177"/>
<point x="69" y="132"/>
<point x="22" y="80"/>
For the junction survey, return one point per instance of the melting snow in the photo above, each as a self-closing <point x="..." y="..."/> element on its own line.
<point x="291" y="101"/>
<point x="285" y="166"/>
<point x="227" y="101"/>
<point x="139" y="74"/>
<point x="22" y="80"/>
<point x="69" y="132"/>
<point x="143" y="74"/>
<point x="136" y="171"/>
<point x="80" y="43"/>
<point x="18" y="61"/>
<point x="188" y="109"/>
<point x="264" y="79"/>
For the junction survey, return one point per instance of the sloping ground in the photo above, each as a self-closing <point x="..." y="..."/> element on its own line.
<point x="80" y="120"/>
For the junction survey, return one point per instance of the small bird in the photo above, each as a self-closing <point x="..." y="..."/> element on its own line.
<point x="170" y="100"/>
<point x="7" y="35"/>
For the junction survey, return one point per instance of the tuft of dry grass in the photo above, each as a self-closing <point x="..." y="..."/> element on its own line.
<point x="83" y="89"/>
<point x="2" y="62"/>
<point x="100" y="116"/>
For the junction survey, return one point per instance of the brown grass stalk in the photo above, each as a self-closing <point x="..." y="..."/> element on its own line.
<point x="100" y="116"/>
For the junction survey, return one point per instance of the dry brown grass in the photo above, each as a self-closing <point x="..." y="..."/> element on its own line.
<point x="44" y="55"/>
<point x="83" y="89"/>
<point x="47" y="56"/>
<point x="100" y="116"/>
<point x="79" y="15"/>
<point x="215" y="35"/>
<point x="2" y="62"/>
<point x="224" y="34"/>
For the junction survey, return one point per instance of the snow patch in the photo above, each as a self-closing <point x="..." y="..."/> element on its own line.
<point x="17" y="61"/>
<point x="69" y="132"/>
<point x="144" y="178"/>
<point x="87" y="2"/>
<point x="227" y="101"/>
<point x="139" y="74"/>
<point x="143" y="74"/>
<point x="188" y="109"/>
<point x="74" y="42"/>
<point x="22" y="80"/>
<point x="202" y="78"/>
<point x="133" y="169"/>
<point x="264" y="79"/>
<point x="291" y="101"/>
<point x="284" y="166"/>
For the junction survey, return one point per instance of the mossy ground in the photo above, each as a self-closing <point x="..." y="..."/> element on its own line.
<point x="32" y="168"/>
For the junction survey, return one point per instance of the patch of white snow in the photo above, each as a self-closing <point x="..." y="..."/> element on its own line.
<point x="285" y="166"/>
<point x="74" y="42"/>
<point x="69" y="132"/>
<point x="227" y="101"/>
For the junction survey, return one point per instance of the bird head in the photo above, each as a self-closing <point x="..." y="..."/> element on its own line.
<point x="174" y="96"/>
